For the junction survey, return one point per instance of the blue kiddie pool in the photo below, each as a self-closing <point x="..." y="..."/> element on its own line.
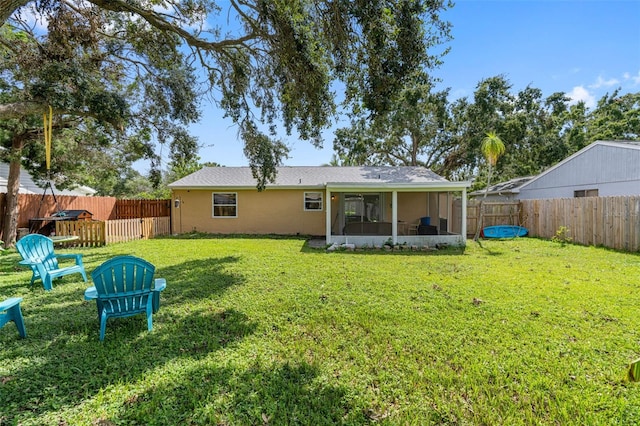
<point x="504" y="231"/>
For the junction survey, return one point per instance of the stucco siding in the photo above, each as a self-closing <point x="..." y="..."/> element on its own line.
<point x="268" y="212"/>
<point x="611" y="170"/>
<point x="412" y="206"/>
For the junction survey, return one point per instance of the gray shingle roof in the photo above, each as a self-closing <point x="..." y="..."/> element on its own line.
<point x="507" y="187"/>
<point x="309" y="177"/>
<point x="29" y="186"/>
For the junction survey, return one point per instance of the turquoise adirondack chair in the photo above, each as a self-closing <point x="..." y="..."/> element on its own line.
<point x="10" y="311"/>
<point x="124" y="286"/>
<point x="37" y="252"/>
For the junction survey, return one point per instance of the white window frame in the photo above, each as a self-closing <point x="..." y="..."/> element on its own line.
<point x="213" y="205"/>
<point x="321" y="201"/>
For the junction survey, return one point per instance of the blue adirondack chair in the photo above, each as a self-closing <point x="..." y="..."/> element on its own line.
<point x="10" y="311"/>
<point x="37" y="252"/>
<point x="124" y="286"/>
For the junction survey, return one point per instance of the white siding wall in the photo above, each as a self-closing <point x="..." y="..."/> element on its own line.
<point x="613" y="170"/>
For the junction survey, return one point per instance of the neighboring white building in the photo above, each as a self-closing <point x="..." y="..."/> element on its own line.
<point x="602" y="169"/>
<point x="28" y="185"/>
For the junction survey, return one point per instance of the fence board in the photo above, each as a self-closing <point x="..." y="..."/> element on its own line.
<point x="99" y="233"/>
<point x="102" y="208"/>
<point x="612" y="222"/>
<point x="129" y="209"/>
<point x="90" y="233"/>
<point x="494" y="213"/>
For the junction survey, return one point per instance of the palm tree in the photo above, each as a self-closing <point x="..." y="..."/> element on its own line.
<point x="492" y="148"/>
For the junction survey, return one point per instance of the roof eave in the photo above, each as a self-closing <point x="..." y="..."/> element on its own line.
<point x="450" y="186"/>
<point x="371" y="186"/>
<point x="243" y="187"/>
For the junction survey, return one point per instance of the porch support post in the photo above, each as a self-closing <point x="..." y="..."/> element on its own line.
<point x="327" y="215"/>
<point x="394" y="217"/>
<point x="464" y="215"/>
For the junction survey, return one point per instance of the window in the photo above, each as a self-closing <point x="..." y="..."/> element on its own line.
<point x="586" y="193"/>
<point x="225" y="204"/>
<point x="313" y="201"/>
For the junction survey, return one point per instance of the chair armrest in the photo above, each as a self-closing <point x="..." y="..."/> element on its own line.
<point x="91" y="293"/>
<point x="30" y="262"/>
<point x="160" y="284"/>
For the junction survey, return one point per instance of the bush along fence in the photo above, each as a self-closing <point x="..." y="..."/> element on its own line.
<point x="98" y="233"/>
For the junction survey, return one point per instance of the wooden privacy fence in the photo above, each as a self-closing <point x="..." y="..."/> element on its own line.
<point x="102" y="208"/>
<point x="495" y="213"/>
<point x="99" y="233"/>
<point x="127" y="209"/>
<point x="612" y="222"/>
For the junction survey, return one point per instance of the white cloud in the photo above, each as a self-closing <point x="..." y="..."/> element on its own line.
<point x="601" y="82"/>
<point x="635" y="79"/>
<point x="579" y="93"/>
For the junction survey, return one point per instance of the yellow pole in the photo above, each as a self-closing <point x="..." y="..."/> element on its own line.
<point x="48" y="125"/>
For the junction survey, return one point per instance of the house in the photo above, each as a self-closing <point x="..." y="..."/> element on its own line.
<point x="503" y="191"/>
<point x="601" y="169"/>
<point x="358" y="205"/>
<point x="29" y="186"/>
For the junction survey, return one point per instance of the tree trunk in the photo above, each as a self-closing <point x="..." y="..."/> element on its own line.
<point x="481" y="208"/>
<point x="13" y="185"/>
<point x="7" y="7"/>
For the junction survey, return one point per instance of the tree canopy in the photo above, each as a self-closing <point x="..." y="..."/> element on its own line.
<point x="426" y="128"/>
<point x="125" y="77"/>
<point x="269" y="62"/>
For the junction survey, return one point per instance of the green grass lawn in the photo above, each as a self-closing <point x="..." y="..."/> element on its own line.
<point x="268" y="331"/>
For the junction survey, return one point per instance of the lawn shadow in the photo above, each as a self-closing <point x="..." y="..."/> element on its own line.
<point x="288" y="393"/>
<point x="73" y="366"/>
<point x="69" y="365"/>
<point x="197" y="279"/>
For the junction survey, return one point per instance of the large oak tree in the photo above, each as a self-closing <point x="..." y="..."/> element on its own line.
<point x="125" y="71"/>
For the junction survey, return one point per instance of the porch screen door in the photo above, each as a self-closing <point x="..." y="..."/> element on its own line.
<point x="363" y="207"/>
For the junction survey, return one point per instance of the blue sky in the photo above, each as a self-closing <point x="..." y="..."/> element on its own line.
<point x="584" y="48"/>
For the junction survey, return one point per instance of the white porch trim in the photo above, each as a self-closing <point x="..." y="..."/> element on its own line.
<point x="419" y="240"/>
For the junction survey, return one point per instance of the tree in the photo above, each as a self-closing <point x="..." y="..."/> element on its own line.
<point x="281" y="57"/>
<point x="105" y="106"/>
<point x="470" y="120"/>
<point x="413" y="133"/>
<point x="616" y="117"/>
<point x="492" y="148"/>
<point x="263" y="63"/>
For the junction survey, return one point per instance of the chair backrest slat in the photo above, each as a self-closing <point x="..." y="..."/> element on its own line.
<point x="38" y="247"/>
<point x="124" y="282"/>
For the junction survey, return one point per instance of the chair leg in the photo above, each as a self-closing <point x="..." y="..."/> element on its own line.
<point x="13" y="313"/>
<point x="16" y="315"/>
<point x="103" y="325"/>
<point x="47" y="282"/>
<point x="149" y="315"/>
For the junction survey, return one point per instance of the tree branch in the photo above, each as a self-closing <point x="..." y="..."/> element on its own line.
<point x="20" y="109"/>
<point x="158" y="21"/>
